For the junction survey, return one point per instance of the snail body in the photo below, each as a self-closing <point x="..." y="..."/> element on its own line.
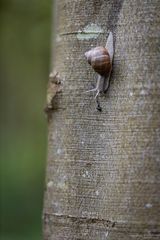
<point x="100" y="58"/>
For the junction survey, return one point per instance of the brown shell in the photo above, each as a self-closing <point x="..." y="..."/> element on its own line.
<point x="99" y="59"/>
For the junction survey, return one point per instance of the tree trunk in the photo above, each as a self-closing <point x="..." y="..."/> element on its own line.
<point x="103" y="167"/>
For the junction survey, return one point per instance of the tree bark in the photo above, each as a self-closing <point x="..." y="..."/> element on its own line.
<point x="103" y="167"/>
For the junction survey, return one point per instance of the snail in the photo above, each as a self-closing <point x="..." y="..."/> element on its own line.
<point x="100" y="58"/>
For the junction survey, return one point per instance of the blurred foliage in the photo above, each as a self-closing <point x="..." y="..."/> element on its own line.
<point x="25" y="41"/>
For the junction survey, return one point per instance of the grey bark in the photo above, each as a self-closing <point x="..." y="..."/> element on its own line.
<point x="102" y="172"/>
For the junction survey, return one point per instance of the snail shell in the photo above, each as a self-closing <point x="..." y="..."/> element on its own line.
<point x="99" y="59"/>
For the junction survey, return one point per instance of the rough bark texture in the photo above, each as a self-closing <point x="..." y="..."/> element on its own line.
<point x="103" y="167"/>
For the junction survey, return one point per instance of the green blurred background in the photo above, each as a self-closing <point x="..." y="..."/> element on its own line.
<point x="25" y="41"/>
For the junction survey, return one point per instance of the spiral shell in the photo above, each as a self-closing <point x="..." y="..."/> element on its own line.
<point x="99" y="59"/>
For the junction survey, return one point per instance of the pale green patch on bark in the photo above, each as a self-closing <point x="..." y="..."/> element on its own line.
<point x="90" y="31"/>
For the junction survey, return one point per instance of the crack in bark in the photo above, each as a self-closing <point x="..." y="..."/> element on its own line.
<point x="82" y="220"/>
<point x="79" y="32"/>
